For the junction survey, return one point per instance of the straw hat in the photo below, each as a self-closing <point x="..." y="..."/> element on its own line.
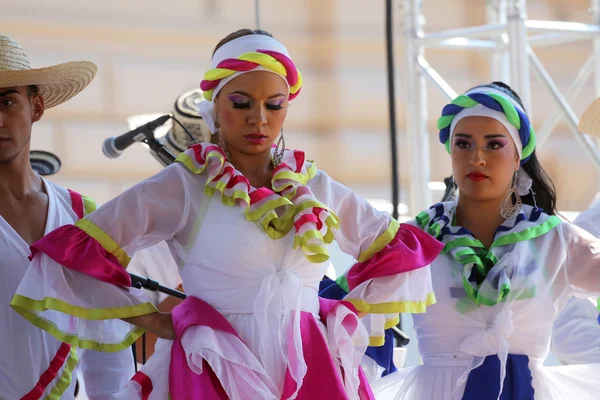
<point x="44" y="162"/>
<point x="57" y="84"/>
<point x="185" y="110"/>
<point x="590" y="120"/>
<point x="173" y="136"/>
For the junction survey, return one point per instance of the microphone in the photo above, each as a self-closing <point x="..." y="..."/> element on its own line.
<point x="400" y="336"/>
<point x="114" y="146"/>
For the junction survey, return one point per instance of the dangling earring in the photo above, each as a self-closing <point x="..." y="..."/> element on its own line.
<point x="450" y="192"/>
<point x="223" y="147"/>
<point x="221" y="142"/>
<point x="533" y="197"/>
<point x="279" y="151"/>
<point x="507" y="209"/>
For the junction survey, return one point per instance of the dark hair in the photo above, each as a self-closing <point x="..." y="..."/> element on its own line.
<point x="238" y="34"/>
<point x="32" y="90"/>
<point x="542" y="187"/>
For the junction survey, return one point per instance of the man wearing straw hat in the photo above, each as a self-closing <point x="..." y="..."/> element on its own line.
<point x="33" y="364"/>
<point x="576" y="333"/>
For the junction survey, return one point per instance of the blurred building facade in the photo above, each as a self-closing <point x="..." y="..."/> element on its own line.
<point x="151" y="51"/>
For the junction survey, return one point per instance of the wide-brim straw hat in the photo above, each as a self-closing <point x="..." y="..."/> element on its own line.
<point x="174" y="137"/>
<point x="56" y="84"/>
<point x="185" y="110"/>
<point x="590" y="120"/>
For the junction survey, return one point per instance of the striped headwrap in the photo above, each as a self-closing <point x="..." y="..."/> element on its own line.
<point x="246" y="54"/>
<point x="493" y="103"/>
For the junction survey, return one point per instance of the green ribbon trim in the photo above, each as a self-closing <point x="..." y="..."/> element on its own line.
<point x="65" y="378"/>
<point x="475" y="253"/>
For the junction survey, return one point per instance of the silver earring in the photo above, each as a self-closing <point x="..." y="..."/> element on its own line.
<point x="533" y="197"/>
<point x="223" y="146"/>
<point x="450" y="192"/>
<point x="221" y="142"/>
<point x="279" y="151"/>
<point x="508" y="209"/>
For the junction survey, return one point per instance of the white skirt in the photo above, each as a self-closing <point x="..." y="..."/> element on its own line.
<point x="427" y="382"/>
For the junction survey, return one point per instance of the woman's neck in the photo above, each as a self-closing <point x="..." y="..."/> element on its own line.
<point x="257" y="168"/>
<point x="481" y="218"/>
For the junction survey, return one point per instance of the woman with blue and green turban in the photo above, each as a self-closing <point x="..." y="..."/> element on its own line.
<point x="508" y="266"/>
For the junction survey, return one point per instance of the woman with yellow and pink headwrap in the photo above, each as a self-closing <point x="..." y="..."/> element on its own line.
<point x="248" y="223"/>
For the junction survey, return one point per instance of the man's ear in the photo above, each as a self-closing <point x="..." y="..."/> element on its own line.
<point x="37" y="107"/>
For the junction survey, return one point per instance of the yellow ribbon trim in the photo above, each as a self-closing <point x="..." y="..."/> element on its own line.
<point x="276" y="227"/>
<point x="383" y="240"/>
<point x="376" y="341"/>
<point x="28" y="307"/>
<point x="295" y="176"/>
<point x="190" y="163"/>
<point x="89" y="205"/>
<point x="389" y="323"/>
<point x="265" y="60"/>
<point x="105" y="241"/>
<point x="413" y="307"/>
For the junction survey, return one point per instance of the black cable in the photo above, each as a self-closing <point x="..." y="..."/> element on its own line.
<point x="143" y="348"/>
<point x="389" y="41"/>
<point x="192" y="138"/>
<point x="134" y="351"/>
<point x="392" y="106"/>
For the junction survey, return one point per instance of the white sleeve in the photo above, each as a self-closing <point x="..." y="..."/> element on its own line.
<point x="590" y="219"/>
<point x="156" y="263"/>
<point x="76" y="286"/>
<point x="576" y="333"/>
<point x="149" y="212"/>
<point x="361" y="224"/>
<point x="582" y="265"/>
<point x="392" y="274"/>
<point x="104" y="374"/>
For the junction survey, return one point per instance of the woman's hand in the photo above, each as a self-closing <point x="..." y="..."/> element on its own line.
<point x="159" y="323"/>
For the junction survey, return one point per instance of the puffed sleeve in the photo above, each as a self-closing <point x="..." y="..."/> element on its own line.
<point x="582" y="264"/>
<point x="77" y="287"/>
<point x="392" y="274"/>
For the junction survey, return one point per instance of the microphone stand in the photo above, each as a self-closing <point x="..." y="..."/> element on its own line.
<point x="139" y="282"/>
<point x="450" y="189"/>
<point x="400" y="336"/>
<point x="159" y="149"/>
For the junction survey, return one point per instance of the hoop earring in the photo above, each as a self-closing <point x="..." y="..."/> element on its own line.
<point x="509" y="210"/>
<point x="279" y="150"/>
